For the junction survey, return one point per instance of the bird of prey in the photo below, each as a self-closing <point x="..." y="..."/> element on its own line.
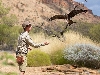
<point x="68" y="17"/>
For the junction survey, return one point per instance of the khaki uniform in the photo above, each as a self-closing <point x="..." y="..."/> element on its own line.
<point x="24" y="41"/>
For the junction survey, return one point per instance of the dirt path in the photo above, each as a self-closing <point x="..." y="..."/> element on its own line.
<point x="60" y="70"/>
<point x="52" y="70"/>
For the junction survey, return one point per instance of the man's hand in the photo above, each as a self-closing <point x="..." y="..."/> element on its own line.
<point x="29" y="48"/>
<point x="46" y="43"/>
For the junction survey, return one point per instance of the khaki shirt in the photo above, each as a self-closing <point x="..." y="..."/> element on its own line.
<point x="24" y="41"/>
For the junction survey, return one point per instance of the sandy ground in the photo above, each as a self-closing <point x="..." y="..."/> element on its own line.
<point x="51" y="70"/>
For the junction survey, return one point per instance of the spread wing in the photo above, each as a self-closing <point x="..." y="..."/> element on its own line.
<point x="75" y="12"/>
<point x="58" y="17"/>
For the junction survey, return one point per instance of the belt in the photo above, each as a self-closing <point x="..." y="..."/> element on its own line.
<point x="20" y="53"/>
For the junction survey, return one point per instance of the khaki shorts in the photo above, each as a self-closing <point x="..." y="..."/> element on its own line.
<point x="22" y="67"/>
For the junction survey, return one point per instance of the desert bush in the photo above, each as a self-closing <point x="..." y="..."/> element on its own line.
<point x="9" y="20"/>
<point x="6" y="56"/>
<point x="57" y="58"/>
<point x="95" y="33"/>
<point x="81" y="27"/>
<point x="87" y="29"/>
<point x="3" y="10"/>
<point x="83" y="55"/>
<point x="8" y="35"/>
<point x="38" y="58"/>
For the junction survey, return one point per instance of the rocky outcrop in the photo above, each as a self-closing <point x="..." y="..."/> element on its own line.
<point x="40" y="10"/>
<point x="70" y="4"/>
<point x="68" y="70"/>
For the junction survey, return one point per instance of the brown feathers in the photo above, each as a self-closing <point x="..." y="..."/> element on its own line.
<point x="67" y="16"/>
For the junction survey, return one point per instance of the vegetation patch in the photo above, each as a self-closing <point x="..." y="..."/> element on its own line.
<point x="7" y="59"/>
<point x="87" y="55"/>
<point x="57" y="57"/>
<point x="38" y="58"/>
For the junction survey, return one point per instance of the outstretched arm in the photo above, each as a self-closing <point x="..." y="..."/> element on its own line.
<point x="36" y="45"/>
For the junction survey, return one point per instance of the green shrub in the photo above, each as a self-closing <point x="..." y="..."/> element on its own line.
<point x="3" y="11"/>
<point x="57" y="57"/>
<point x="95" y="33"/>
<point x="38" y="58"/>
<point x="9" y="35"/>
<point x="9" y="20"/>
<point x="81" y="27"/>
<point x="90" y="30"/>
<point x="6" y="56"/>
<point x="83" y="55"/>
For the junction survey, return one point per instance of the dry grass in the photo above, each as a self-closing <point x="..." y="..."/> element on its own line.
<point x="71" y="38"/>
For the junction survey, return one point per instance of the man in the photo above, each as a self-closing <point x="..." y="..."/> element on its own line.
<point x="24" y="41"/>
